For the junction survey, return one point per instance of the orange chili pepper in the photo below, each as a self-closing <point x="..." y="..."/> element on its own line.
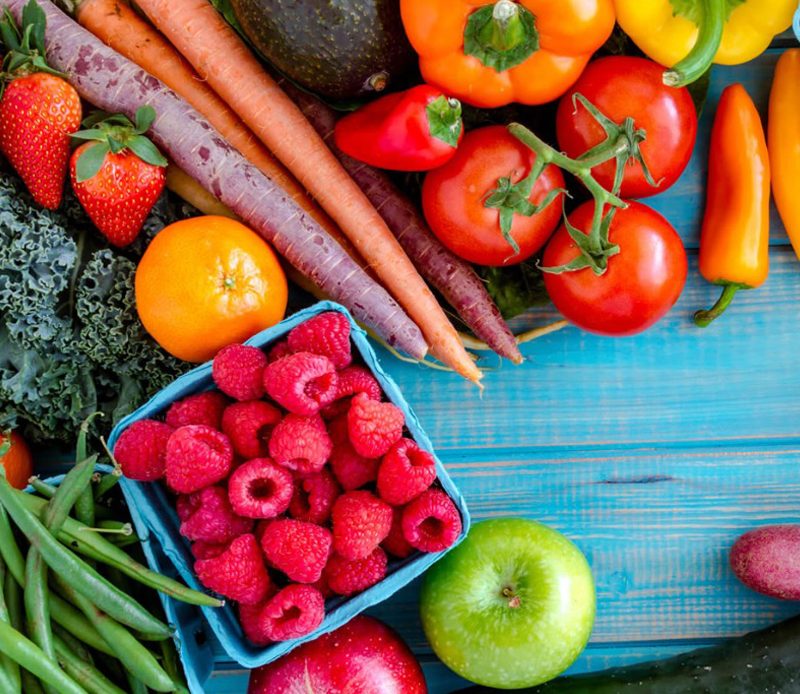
<point x="489" y="53"/>
<point x="734" y="241"/>
<point x="783" y="135"/>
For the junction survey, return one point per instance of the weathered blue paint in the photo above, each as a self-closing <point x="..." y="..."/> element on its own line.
<point x="653" y="453"/>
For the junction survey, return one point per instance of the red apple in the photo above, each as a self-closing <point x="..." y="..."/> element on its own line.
<point x="362" y="657"/>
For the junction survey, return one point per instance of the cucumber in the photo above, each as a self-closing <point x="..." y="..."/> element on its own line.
<point x="340" y="49"/>
<point x="762" y="662"/>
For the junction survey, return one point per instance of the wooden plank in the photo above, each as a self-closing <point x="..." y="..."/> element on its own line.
<point x="737" y="380"/>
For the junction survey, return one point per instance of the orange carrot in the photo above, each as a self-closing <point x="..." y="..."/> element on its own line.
<point x="203" y="37"/>
<point x="118" y="26"/>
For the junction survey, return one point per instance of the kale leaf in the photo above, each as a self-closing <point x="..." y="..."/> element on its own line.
<point x="70" y="340"/>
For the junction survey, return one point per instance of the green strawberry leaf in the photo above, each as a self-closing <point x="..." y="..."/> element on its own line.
<point x="145" y="116"/>
<point x="34" y="20"/>
<point x="93" y="134"/>
<point x="90" y="161"/>
<point x="146" y="151"/>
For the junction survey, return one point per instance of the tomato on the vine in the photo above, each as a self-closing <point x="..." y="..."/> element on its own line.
<point x="466" y="200"/>
<point x="641" y="282"/>
<point x="621" y="87"/>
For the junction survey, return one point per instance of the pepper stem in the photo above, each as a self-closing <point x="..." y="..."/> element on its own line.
<point x="703" y="319"/>
<point x="709" y="36"/>
<point x="501" y="35"/>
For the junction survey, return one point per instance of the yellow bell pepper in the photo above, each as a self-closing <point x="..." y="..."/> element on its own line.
<point x="688" y="35"/>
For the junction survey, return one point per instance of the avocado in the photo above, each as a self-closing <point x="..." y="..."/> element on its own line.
<point x="339" y="49"/>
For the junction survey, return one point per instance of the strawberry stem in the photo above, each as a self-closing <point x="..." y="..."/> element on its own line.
<point x="24" y="47"/>
<point x="116" y="133"/>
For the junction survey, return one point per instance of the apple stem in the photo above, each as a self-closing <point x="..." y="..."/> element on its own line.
<point x="514" y="601"/>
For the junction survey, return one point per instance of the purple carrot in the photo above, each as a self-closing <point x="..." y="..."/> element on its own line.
<point x="113" y="83"/>
<point x="453" y="277"/>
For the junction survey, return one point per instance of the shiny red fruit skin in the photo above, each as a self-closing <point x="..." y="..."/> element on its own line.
<point x="453" y="198"/>
<point x="363" y="657"/>
<point x="38" y="113"/>
<point x="642" y="282"/>
<point x="622" y="86"/>
<point x="120" y="196"/>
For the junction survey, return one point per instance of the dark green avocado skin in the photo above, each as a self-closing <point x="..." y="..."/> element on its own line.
<point x="331" y="47"/>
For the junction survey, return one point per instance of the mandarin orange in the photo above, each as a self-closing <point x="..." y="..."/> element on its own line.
<point x="206" y="282"/>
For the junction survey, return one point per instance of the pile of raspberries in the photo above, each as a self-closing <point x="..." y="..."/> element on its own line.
<point x="294" y="480"/>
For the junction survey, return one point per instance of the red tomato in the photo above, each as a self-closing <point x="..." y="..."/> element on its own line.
<point x="620" y="87"/>
<point x="642" y="282"/>
<point x="454" y="196"/>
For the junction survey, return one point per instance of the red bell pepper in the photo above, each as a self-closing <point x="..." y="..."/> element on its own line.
<point x="415" y="130"/>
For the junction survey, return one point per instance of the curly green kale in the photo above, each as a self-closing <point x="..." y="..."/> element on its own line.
<point x="70" y="340"/>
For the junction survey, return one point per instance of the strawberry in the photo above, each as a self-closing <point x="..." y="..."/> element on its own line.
<point x="119" y="174"/>
<point x="38" y="110"/>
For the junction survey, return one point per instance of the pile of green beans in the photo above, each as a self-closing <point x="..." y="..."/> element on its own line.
<point x="71" y="614"/>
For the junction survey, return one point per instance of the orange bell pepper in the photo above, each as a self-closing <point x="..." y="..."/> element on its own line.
<point x="783" y="136"/>
<point x="734" y="240"/>
<point x="489" y="53"/>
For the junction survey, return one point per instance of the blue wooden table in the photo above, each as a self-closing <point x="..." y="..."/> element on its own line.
<point x="652" y="453"/>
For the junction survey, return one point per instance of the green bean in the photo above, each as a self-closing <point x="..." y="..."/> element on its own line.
<point x="172" y="666"/>
<point x="48" y="491"/>
<point x="85" y="674"/>
<point x="9" y="549"/>
<point x="135" y="685"/>
<point x="32" y="658"/>
<point x="74" y="644"/>
<point x="127" y="648"/>
<point x="100" y="549"/>
<point x="84" y="506"/>
<point x="107" y="483"/>
<point x="13" y="599"/>
<point x="77" y="572"/>
<point x="37" y="605"/>
<point x="111" y="667"/>
<point x="30" y="685"/>
<point x="72" y="620"/>
<point x="9" y="670"/>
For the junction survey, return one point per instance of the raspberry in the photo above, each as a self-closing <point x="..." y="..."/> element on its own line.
<point x="352" y="380"/>
<point x="431" y="523"/>
<point x="313" y="497"/>
<point x="238" y="371"/>
<point x="208" y="516"/>
<point x="327" y="334"/>
<point x="291" y="613"/>
<point x="141" y="450"/>
<point x="351" y="469"/>
<point x="322" y="586"/>
<point x="238" y="573"/>
<point x="202" y="408"/>
<point x="373" y="426"/>
<point x="253" y="624"/>
<point x="395" y="544"/>
<point x="361" y="521"/>
<point x="197" y="456"/>
<point x="347" y="577"/>
<point x="278" y="351"/>
<point x="249" y="425"/>
<point x="207" y="550"/>
<point x="302" y="382"/>
<point x="301" y="443"/>
<point x="260" y="489"/>
<point x="299" y="549"/>
<point x="405" y="472"/>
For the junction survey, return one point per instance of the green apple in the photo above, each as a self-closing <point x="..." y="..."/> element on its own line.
<point x="512" y="606"/>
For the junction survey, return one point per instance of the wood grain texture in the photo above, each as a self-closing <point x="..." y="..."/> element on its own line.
<point x="652" y="453"/>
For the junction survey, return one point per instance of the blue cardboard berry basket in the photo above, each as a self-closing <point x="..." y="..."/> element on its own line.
<point x="154" y="512"/>
<point x="191" y="641"/>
